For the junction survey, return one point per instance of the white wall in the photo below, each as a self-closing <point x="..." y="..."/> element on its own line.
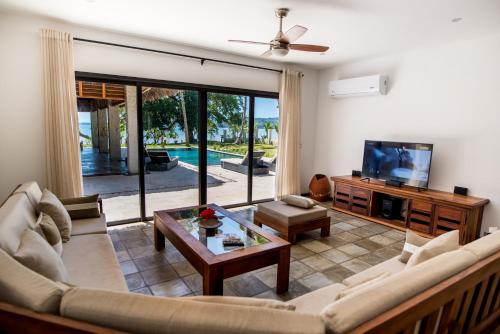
<point x="21" y="107"/>
<point x="447" y="95"/>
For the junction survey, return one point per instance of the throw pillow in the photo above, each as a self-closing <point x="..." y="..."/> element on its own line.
<point x="298" y="201"/>
<point x="413" y="241"/>
<point x="360" y="286"/>
<point x="52" y="206"/>
<point x="444" y="243"/>
<point x="46" y="227"/>
<point x="35" y="253"/>
<point x="82" y="207"/>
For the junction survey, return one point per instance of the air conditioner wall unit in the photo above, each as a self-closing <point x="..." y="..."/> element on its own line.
<point x="362" y="86"/>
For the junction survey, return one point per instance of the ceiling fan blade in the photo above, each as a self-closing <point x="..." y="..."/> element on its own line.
<point x="247" y="42"/>
<point x="308" y="47"/>
<point x="293" y="34"/>
<point x="268" y="53"/>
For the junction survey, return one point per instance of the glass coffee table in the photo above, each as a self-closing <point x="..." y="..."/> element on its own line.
<point x="205" y="251"/>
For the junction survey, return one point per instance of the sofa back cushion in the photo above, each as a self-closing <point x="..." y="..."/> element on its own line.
<point x="16" y="215"/>
<point x="32" y="190"/>
<point x="138" y="313"/>
<point x="23" y="287"/>
<point x="485" y="246"/>
<point x="38" y="255"/>
<point x="363" y="305"/>
<point x="444" y="243"/>
<point x="52" y="206"/>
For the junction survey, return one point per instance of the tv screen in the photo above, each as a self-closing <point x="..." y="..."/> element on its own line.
<point x="409" y="163"/>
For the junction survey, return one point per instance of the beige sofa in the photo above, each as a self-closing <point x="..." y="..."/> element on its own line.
<point x="97" y="292"/>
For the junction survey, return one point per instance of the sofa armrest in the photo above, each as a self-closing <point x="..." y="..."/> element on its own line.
<point x="99" y="200"/>
<point x="135" y="313"/>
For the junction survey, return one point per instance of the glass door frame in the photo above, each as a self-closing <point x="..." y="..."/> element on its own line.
<point x="203" y="91"/>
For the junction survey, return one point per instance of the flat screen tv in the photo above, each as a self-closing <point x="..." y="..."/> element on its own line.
<point x="409" y="163"/>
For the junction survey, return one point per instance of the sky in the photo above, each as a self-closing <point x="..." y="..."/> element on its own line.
<point x="264" y="108"/>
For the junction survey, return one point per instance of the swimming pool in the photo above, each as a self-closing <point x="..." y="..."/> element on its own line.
<point x="190" y="156"/>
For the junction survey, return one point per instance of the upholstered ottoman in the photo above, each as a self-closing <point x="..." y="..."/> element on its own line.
<point x="290" y="220"/>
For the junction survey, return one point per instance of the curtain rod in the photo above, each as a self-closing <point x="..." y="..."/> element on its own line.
<point x="201" y="59"/>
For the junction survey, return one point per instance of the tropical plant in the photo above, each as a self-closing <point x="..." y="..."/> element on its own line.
<point x="268" y="127"/>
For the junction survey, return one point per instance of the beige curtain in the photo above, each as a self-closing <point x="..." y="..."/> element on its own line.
<point x="288" y="161"/>
<point x="62" y="151"/>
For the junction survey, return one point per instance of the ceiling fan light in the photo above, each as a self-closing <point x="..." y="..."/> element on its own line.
<point x="281" y="52"/>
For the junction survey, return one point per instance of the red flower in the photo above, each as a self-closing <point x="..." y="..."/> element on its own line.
<point x="208" y="214"/>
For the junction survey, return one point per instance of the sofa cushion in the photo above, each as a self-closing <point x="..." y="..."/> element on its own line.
<point x="91" y="262"/>
<point x="23" y="287"/>
<point x="52" y="206"/>
<point x="360" y="286"/>
<point x="89" y="225"/>
<point x="351" y="311"/>
<point x="485" y="246"/>
<point x="16" y="215"/>
<point x="244" y="301"/>
<point x="413" y="241"/>
<point x="82" y="207"/>
<point x="291" y="215"/>
<point x="35" y="253"/>
<point x="298" y="201"/>
<point x="444" y="243"/>
<point x="313" y="302"/>
<point x="391" y="266"/>
<point x="32" y="191"/>
<point x="138" y="313"/>
<point x="46" y="227"/>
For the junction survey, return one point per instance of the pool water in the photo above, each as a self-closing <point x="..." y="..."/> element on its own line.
<point x="190" y="156"/>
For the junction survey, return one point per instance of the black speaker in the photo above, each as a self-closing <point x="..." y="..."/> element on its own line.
<point x="391" y="207"/>
<point x="393" y="183"/>
<point x="356" y="173"/>
<point x="460" y="190"/>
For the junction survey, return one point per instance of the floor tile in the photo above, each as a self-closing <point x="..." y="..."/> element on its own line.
<point x="128" y="267"/>
<point x="298" y="252"/>
<point x="131" y="234"/>
<point x="353" y="250"/>
<point x="122" y="256"/>
<point x="315" y="281"/>
<point x="344" y="226"/>
<point x="368" y="244"/>
<point x="298" y="270"/>
<point x="269" y="294"/>
<point x="134" y="281"/>
<point x="336" y="256"/>
<point x="144" y="291"/>
<point x="132" y="243"/>
<point x="357" y="222"/>
<point x="173" y="288"/>
<point x="380" y="239"/>
<point x="268" y="277"/>
<point x="248" y="286"/>
<point x="347" y="236"/>
<point x="150" y="262"/>
<point x="395" y="234"/>
<point x="377" y="228"/>
<point x="338" y="273"/>
<point x="317" y="262"/>
<point x="371" y="259"/>
<point x="362" y="232"/>
<point x="335" y="230"/>
<point x="387" y="253"/>
<point x="295" y="289"/>
<point x="355" y="265"/>
<point x="159" y="274"/>
<point x="138" y="252"/>
<point x="316" y="246"/>
<point x="194" y="281"/>
<point x="183" y="268"/>
<point x="333" y="241"/>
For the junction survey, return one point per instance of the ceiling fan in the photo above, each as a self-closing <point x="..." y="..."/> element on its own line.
<point x="282" y="43"/>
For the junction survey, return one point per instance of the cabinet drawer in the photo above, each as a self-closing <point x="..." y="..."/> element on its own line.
<point x="360" y="193"/>
<point x="342" y="188"/>
<point x="421" y="206"/>
<point x="449" y="213"/>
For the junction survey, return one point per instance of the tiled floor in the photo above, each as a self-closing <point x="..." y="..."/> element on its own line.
<point x="353" y="246"/>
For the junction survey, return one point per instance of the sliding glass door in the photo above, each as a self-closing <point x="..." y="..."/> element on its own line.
<point x="149" y="145"/>
<point x="170" y="145"/>
<point x="227" y="148"/>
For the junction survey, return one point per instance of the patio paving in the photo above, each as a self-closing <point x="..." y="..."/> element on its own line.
<point x="315" y="261"/>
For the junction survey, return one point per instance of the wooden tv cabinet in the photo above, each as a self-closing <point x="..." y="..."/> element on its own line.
<point x="428" y="212"/>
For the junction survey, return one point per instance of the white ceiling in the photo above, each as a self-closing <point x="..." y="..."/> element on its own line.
<point x="354" y="29"/>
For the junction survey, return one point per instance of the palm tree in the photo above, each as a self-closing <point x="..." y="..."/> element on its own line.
<point x="268" y="126"/>
<point x="243" y="104"/>
<point x="184" y="116"/>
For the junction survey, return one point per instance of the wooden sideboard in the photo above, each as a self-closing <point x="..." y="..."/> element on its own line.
<point x="428" y="212"/>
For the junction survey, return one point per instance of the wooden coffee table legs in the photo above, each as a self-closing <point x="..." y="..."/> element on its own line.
<point x="283" y="271"/>
<point x="213" y="281"/>
<point x="159" y="239"/>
